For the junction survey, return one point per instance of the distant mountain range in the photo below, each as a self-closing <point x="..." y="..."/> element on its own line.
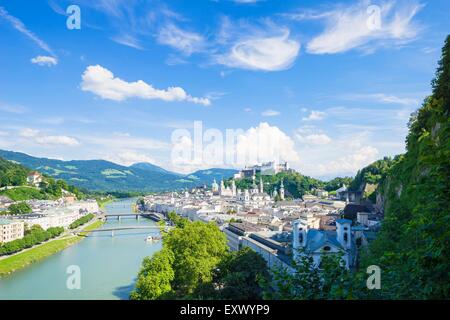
<point x="102" y="175"/>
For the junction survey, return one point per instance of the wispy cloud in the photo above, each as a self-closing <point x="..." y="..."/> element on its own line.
<point x="128" y="40"/>
<point x="265" y="48"/>
<point x="314" y="115"/>
<point x="182" y="40"/>
<point x="12" y="108"/>
<point x="270" y="113"/>
<point x="382" y="97"/>
<point x="265" y="52"/>
<point x="20" y="26"/>
<point x="364" y="26"/>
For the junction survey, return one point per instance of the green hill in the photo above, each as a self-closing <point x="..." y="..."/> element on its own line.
<point x="101" y="175"/>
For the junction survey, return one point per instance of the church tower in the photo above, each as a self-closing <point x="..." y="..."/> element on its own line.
<point x="282" y="190"/>
<point x="233" y="188"/>
<point x="261" y="186"/>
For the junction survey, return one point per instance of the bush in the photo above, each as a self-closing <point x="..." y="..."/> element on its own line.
<point x="81" y="221"/>
<point x="19" y="208"/>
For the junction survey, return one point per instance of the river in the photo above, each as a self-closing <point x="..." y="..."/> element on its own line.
<point x="108" y="265"/>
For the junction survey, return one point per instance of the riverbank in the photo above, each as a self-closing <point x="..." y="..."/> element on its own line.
<point x="27" y="257"/>
<point x="103" y="202"/>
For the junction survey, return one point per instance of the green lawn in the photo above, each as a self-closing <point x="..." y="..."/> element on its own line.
<point x="24" y="193"/>
<point x="92" y="226"/>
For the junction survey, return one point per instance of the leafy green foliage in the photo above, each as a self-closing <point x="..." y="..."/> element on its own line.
<point x="413" y="248"/>
<point x="197" y="248"/>
<point x="12" y="174"/>
<point x="19" y="208"/>
<point x="306" y="282"/>
<point x="81" y="221"/>
<point x="177" y="220"/>
<point x="336" y="183"/>
<point x="240" y="275"/>
<point x="33" y="236"/>
<point x="372" y="174"/>
<point x="295" y="184"/>
<point x="154" y="279"/>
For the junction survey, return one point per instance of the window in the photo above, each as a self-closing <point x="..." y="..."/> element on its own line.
<point x="326" y="248"/>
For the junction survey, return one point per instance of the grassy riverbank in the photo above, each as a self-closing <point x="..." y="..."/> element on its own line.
<point x="40" y="252"/>
<point x="103" y="202"/>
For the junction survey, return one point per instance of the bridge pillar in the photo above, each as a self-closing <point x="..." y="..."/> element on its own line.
<point x="119" y="217"/>
<point x="137" y="217"/>
<point x="112" y="233"/>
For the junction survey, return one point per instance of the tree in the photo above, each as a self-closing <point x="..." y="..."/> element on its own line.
<point x="240" y="274"/>
<point x="308" y="282"/>
<point x="197" y="249"/>
<point x="185" y="264"/>
<point x="177" y="220"/>
<point x="154" y="279"/>
<point x="19" y="208"/>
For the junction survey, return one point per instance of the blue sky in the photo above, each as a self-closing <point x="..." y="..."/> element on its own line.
<point x="332" y="83"/>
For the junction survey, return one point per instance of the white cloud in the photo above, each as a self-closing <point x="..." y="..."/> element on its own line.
<point x="270" y="113"/>
<point x="357" y="26"/>
<point x="44" y="61"/>
<point x="313" y="139"/>
<point x="101" y="81"/>
<point x="264" y="143"/>
<point x="28" y="133"/>
<point x="48" y="140"/>
<point x="314" y="115"/>
<point x="57" y="140"/>
<point x="236" y="148"/>
<point x="383" y="98"/>
<point x="19" y="26"/>
<point x="350" y="163"/>
<point x="184" y="41"/>
<point x="262" y="52"/>
<point x="129" y="157"/>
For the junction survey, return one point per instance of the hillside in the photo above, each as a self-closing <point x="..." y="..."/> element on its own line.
<point x="12" y="174"/>
<point x="101" y="175"/>
<point x="413" y="248"/>
<point x="295" y="184"/>
<point x="13" y="184"/>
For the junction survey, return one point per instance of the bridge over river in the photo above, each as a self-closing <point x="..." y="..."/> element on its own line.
<point x="150" y="215"/>
<point x="112" y="230"/>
